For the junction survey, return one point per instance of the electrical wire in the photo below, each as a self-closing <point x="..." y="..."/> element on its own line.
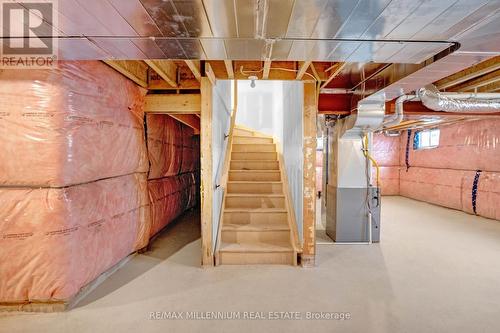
<point x="275" y="68"/>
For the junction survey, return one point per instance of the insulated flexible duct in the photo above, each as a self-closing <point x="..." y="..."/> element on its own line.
<point x="460" y="103"/>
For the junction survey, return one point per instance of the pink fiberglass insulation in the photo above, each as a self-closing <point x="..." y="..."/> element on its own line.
<point x="453" y="189"/>
<point x="468" y="145"/>
<point x="189" y="152"/>
<point x="72" y="124"/>
<point x="385" y="150"/>
<point x="165" y="145"/>
<point x="389" y="179"/>
<point x="438" y="186"/>
<point x="55" y="241"/>
<point x="169" y="198"/>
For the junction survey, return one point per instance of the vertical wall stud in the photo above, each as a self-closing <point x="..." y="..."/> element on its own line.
<point x="207" y="182"/>
<point x="309" y="210"/>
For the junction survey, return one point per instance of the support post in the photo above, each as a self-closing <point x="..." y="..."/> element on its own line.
<point x="207" y="182"/>
<point x="309" y="203"/>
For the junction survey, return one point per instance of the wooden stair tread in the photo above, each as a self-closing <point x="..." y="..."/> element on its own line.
<point x="255" y="210"/>
<point x="255" y="161"/>
<point x="256" y="194"/>
<point x="257" y="170"/>
<point x="255" y="227"/>
<point x="256" y="247"/>
<point x="253" y="181"/>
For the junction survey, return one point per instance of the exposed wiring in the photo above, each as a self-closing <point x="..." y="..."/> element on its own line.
<point x="244" y="73"/>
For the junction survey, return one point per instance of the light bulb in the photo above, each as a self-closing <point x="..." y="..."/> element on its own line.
<point x="252" y="80"/>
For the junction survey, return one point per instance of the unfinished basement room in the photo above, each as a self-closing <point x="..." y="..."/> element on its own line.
<point x="249" y="166"/>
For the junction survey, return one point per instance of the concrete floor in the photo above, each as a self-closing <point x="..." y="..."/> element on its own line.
<point x="436" y="270"/>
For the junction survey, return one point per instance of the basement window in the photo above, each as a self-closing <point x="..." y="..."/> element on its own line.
<point x="426" y="139"/>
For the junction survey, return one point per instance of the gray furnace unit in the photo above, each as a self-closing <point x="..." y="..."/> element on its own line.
<point x="352" y="202"/>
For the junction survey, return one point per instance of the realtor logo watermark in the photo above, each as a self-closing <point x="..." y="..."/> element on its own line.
<point x="28" y="34"/>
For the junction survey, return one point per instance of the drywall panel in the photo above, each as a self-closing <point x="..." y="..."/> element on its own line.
<point x="221" y="120"/>
<point x="293" y="101"/>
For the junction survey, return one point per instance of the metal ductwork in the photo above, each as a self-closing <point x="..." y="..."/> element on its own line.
<point x="459" y="102"/>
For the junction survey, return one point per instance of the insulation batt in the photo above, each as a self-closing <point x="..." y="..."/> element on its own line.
<point x="73" y="124"/>
<point x="169" y="198"/>
<point x="164" y="137"/>
<point x="445" y="175"/>
<point x="385" y="150"/>
<point x="53" y="241"/>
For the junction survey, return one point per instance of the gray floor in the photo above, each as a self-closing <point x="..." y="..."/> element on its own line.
<point x="436" y="270"/>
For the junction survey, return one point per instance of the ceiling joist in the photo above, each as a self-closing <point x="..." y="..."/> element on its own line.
<point x="303" y="68"/>
<point x="470" y="73"/>
<point x="209" y="72"/>
<point x="337" y="68"/>
<point x="267" y="69"/>
<point x="135" y="70"/>
<point x="167" y="69"/>
<point x="229" y="69"/>
<point x="190" y="120"/>
<point x="194" y="66"/>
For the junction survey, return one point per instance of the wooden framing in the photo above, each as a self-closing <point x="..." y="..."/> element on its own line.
<point x="188" y="119"/>
<point x="207" y="182"/>
<point x="194" y="66"/>
<point x="135" y="70"/>
<point x="167" y="69"/>
<point x="229" y="69"/>
<point x="267" y="69"/>
<point x="173" y="103"/>
<point x="210" y="73"/>
<point x="479" y="82"/>
<point x="309" y="176"/>
<point x="470" y="73"/>
<point x="302" y="70"/>
<point x="338" y="68"/>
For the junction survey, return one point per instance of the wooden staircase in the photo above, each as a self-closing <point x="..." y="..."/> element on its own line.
<point x="256" y="225"/>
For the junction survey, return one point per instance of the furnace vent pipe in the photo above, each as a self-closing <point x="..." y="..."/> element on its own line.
<point x="459" y="102"/>
<point x="397" y="117"/>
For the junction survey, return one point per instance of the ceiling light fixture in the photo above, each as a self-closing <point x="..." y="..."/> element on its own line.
<point x="252" y="80"/>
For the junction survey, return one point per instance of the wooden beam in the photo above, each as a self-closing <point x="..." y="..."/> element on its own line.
<point x="210" y="73"/>
<point x="229" y="69"/>
<point x="315" y="72"/>
<point x="492" y="87"/>
<point x="194" y="66"/>
<point x="207" y="182"/>
<point x="309" y="176"/>
<point x="267" y="69"/>
<point x="336" y="71"/>
<point x="470" y="73"/>
<point x="479" y="82"/>
<point x="303" y="68"/>
<point x="167" y="69"/>
<point x="188" y="119"/>
<point x="135" y="70"/>
<point x="173" y="103"/>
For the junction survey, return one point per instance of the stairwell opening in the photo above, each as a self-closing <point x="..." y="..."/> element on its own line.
<point x="264" y="186"/>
